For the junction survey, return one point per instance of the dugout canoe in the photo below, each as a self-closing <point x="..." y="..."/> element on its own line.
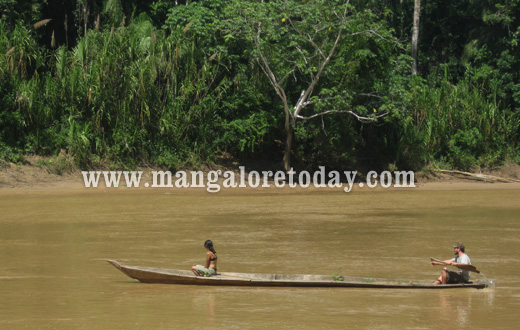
<point x="173" y="276"/>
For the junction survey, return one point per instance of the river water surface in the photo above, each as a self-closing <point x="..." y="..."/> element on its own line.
<point x="53" y="276"/>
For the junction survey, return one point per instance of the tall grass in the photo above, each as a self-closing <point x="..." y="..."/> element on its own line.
<point x="130" y="93"/>
<point x="462" y="124"/>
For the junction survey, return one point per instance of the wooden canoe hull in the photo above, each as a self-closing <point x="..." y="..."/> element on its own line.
<point x="186" y="277"/>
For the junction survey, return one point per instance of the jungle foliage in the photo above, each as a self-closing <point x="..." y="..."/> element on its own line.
<point x="184" y="83"/>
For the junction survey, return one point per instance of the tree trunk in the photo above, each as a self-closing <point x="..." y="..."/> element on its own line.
<point x="415" y="34"/>
<point x="288" y="143"/>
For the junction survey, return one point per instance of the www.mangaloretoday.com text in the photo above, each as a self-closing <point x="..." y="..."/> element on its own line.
<point x="213" y="181"/>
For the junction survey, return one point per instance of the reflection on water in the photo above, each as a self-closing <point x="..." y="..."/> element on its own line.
<point x="206" y="302"/>
<point x="458" y="308"/>
<point x="52" y="247"/>
<point x="454" y="308"/>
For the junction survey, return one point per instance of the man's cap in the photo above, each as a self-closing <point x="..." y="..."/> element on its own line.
<point x="458" y="245"/>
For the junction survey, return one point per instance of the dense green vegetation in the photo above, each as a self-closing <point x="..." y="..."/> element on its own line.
<point x="185" y="83"/>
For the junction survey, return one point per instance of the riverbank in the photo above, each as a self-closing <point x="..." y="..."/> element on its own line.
<point x="46" y="173"/>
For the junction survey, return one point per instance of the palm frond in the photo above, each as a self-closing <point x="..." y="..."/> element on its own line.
<point x="41" y="23"/>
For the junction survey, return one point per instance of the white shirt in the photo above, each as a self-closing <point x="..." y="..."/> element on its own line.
<point x="463" y="259"/>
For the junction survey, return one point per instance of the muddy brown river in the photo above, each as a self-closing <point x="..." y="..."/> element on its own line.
<point x="53" y="276"/>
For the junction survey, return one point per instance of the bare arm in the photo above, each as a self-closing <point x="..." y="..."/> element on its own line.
<point x="442" y="263"/>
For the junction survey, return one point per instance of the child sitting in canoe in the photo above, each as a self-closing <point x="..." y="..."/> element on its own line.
<point x="211" y="262"/>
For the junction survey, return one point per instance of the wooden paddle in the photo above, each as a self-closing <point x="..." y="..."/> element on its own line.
<point x="470" y="268"/>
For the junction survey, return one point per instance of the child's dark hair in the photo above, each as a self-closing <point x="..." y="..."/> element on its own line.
<point x="209" y="244"/>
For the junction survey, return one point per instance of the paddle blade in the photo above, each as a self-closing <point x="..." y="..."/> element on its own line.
<point x="470" y="268"/>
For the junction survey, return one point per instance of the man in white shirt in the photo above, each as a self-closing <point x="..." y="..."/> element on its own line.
<point x="451" y="276"/>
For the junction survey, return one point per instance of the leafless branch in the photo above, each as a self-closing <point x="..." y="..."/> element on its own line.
<point x="363" y="119"/>
<point x="316" y="46"/>
<point x="306" y="95"/>
<point x="304" y="104"/>
<point x="371" y="95"/>
<point x="303" y="55"/>
<point x="264" y="64"/>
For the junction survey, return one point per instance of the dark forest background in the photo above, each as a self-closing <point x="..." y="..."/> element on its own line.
<point x="180" y="84"/>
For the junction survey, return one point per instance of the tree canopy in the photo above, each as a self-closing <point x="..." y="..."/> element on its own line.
<point x="311" y="82"/>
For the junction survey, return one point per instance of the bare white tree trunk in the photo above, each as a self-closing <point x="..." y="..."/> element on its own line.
<point x="293" y="113"/>
<point x="415" y="34"/>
